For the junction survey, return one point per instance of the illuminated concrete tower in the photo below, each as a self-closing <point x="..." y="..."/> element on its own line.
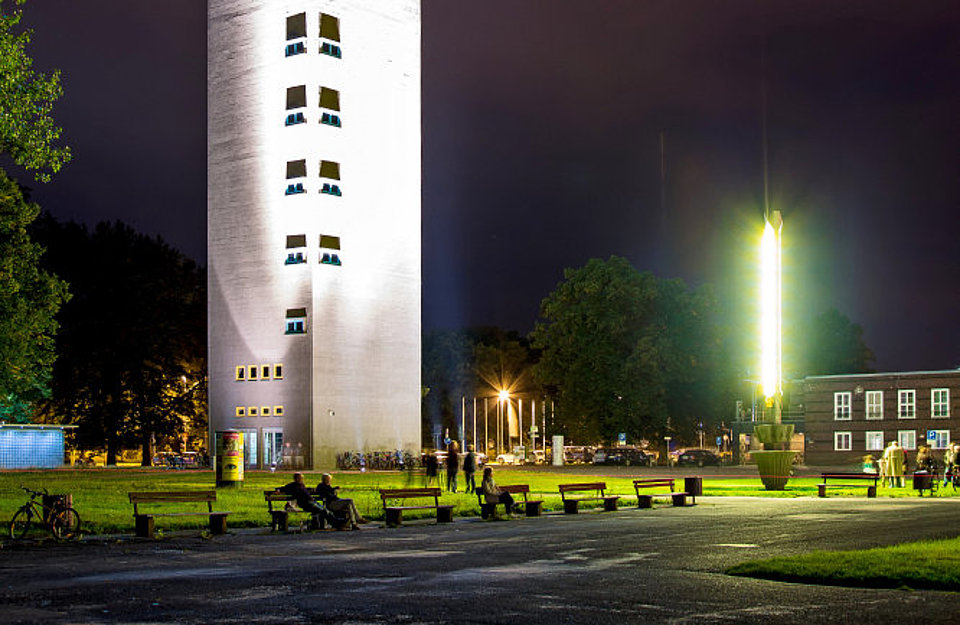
<point x="313" y="203"/>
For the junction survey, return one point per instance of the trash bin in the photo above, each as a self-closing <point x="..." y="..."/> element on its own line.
<point x="693" y="486"/>
<point x="922" y="480"/>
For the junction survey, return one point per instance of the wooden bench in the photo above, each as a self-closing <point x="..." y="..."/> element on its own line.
<point x="280" y="516"/>
<point x="645" y="500"/>
<point x="393" y="515"/>
<point x="571" y="504"/>
<point x="532" y="507"/>
<point x="846" y="480"/>
<point x="145" y="520"/>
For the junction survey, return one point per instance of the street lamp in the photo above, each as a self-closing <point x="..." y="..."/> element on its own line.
<point x="502" y="396"/>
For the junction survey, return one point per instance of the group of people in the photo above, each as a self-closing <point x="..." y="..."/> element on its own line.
<point x="893" y="463"/>
<point x="452" y="467"/>
<point x="343" y="510"/>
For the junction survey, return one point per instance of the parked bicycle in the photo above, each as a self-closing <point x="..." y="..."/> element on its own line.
<point x="62" y="521"/>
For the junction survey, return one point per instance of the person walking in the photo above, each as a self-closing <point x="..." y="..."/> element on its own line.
<point x="453" y="466"/>
<point x="469" y="468"/>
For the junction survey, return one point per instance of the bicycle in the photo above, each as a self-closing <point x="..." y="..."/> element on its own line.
<point x="63" y="522"/>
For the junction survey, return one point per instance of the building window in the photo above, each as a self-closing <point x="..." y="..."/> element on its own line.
<point x="296" y="249"/>
<point x="329" y="250"/>
<point x="264" y="411"/>
<point x="330" y="36"/>
<point x="296" y="32"/>
<point x="278" y="371"/>
<point x="330" y="100"/>
<point x="938" y="439"/>
<point x="265" y="372"/>
<point x="252" y="372"/>
<point x="296" y="321"/>
<point x="907" y="404"/>
<point x="331" y="171"/>
<point x="252" y="411"/>
<point x="278" y="411"/>
<point x="940" y="403"/>
<point x="295" y="118"/>
<point x="841" y="406"/>
<point x="241" y="373"/>
<point x="296" y="99"/>
<point x="842" y="441"/>
<point x="240" y="411"/>
<point x="294" y="188"/>
<point x="907" y="439"/>
<point x="874" y="441"/>
<point x="875" y="405"/>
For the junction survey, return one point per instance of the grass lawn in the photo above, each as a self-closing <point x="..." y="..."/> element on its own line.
<point x="932" y="565"/>
<point x="100" y="495"/>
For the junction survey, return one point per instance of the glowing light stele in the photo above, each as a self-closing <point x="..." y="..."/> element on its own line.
<point x="770" y="308"/>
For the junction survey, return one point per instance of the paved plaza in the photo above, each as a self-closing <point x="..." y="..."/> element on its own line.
<point x="632" y="566"/>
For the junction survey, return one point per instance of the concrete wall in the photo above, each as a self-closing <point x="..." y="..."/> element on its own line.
<point x="352" y="381"/>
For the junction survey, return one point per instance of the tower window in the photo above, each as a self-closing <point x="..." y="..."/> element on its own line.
<point x="330" y="100"/>
<point x="264" y="411"/>
<point x="296" y="26"/>
<point x="330" y="248"/>
<point x="296" y="249"/>
<point x="278" y="371"/>
<point x="278" y="411"/>
<point x="296" y="322"/>
<point x="296" y="99"/>
<point x="252" y="373"/>
<point x="294" y="49"/>
<point x="265" y="372"/>
<point x="294" y="188"/>
<point x="331" y="171"/>
<point x="330" y="36"/>
<point x="331" y="50"/>
<point x="295" y="118"/>
<point x="252" y="411"/>
<point x="240" y="411"/>
<point x="296" y="169"/>
<point x="241" y="373"/>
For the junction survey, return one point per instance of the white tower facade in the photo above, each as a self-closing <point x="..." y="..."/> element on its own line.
<point x="313" y="201"/>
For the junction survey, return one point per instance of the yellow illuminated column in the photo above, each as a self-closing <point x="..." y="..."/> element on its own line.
<point x="770" y="313"/>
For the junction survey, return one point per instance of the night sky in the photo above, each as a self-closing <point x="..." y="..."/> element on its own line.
<point x="542" y="125"/>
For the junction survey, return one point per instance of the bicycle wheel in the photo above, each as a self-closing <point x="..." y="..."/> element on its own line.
<point x="65" y="524"/>
<point x="20" y="524"/>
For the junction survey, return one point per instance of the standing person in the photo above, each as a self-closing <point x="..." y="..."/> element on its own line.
<point x="895" y="460"/>
<point x="453" y="465"/>
<point x="337" y="504"/>
<point x="492" y="494"/>
<point x="469" y="468"/>
<point x="430" y="466"/>
<point x="950" y="460"/>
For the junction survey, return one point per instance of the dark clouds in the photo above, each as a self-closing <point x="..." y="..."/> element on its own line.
<point x="542" y="125"/>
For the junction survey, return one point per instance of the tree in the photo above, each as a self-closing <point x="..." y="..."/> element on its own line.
<point x="29" y="300"/>
<point x="446" y="364"/>
<point x="834" y="345"/>
<point x="625" y="351"/>
<point x="27" y="131"/>
<point x="133" y="338"/>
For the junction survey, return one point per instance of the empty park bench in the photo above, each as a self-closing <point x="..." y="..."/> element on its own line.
<point x="571" y="504"/>
<point x="848" y="480"/>
<point x="281" y="506"/>
<point x="145" y="520"/>
<point x="393" y="515"/>
<point x="645" y="500"/>
<point x="532" y="507"/>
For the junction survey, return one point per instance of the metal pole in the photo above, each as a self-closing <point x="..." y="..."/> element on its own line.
<point x="463" y="422"/>
<point x="533" y="422"/>
<point x="475" y="423"/>
<point x="520" y="419"/>
<point x="486" y="427"/>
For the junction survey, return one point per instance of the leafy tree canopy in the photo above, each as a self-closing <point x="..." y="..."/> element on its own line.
<point x="29" y="300"/>
<point x="27" y="130"/>
<point x="834" y="345"/>
<point x="626" y="351"/>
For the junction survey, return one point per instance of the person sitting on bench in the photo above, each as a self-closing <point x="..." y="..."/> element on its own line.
<point x="492" y="494"/>
<point x="298" y="490"/>
<point x="337" y="504"/>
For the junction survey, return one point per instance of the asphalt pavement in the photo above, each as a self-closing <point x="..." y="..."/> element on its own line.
<point x="631" y="566"/>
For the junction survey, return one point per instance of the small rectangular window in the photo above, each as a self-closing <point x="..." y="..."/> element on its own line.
<point x="278" y="411"/>
<point x="329" y="27"/>
<point x="240" y="411"/>
<point x="329" y="99"/>
<point x="907" y="439"/>
<point x="938" y="439"/>
<point x="297" y="26"/>
<point x="330" y="169"/>
<point x="297" y="169"/>
<point x="329" y="242"/>
<point x="331" y="50"/>
<point x="296" y="240"/>
<point x="841" y="406"/>
<point x="264" y="372"/>
<point x="252" y="372"/>
<point x="252" y="411"/>
<point x="907" y="404"/>
<point x="278" y="371"/>
<point x="296" y="322"/>
<point x="940" y="403"/>
<point x="293" y="49"/>
<point x="264" y="411"/>
<point x="296" y="97"/>
<point x="875" y="405"/>
<point x="842" y="441"/>
<point x="874" y="441"/>
<point x="241" y="373"/>
<point x="330" y="120"/>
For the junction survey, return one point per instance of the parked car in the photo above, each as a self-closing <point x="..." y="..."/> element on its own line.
<point x="629" y="456"/>
<point x="509" y="458"/>
<point x="575" y="454"/>
<point x="698" y="457"/>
